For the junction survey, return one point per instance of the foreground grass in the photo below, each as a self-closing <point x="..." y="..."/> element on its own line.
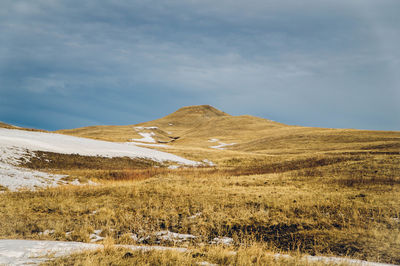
<point x="343" y="205"/>
<point x="255" y="255"/>
<point x="280" y="189"/>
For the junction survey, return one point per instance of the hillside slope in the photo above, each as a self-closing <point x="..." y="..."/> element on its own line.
<point x="107" y="133"/>
<point x="9" y="126"/>
<point x="165" y="129"/>
<point x="4" y="125"/>
<point x="20" y="140"/>
<point x="187" y="124"/>
<point x="205" y="127"/>
<point x="296" y="189"/>
<point x="19" y="145"/>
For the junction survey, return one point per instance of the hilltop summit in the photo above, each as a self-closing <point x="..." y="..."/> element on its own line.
<point x="186" y="118"/>
<point x="199" y="110"/>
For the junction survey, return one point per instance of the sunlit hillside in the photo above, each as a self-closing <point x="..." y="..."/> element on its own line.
<point x="4" y="125"/>
<point x="204" y="127"/>
<point x="258" y="188"/>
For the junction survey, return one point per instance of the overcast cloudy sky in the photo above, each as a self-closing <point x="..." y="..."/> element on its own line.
<point x="71" y="63"/>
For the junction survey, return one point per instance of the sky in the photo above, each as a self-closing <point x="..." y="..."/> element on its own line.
<point x="322" y="63"/>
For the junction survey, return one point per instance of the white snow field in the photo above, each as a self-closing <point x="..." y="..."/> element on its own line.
<point x="17" y="144"/>
<point x="50" y="142"/>
<point x="33" y="252"/>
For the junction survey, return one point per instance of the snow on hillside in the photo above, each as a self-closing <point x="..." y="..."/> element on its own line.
<point x="50" y="142"/>
<point x="146" y="137"/>
<point x="15" y="178"/>
<point x="33" y="252"/>
<point x="16" y="144"/>
<point x="222" y="146"/>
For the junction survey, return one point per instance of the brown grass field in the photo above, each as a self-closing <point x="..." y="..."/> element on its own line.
<point x="281" y="188"/>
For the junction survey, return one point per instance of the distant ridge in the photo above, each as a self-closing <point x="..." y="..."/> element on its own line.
<point x="9" y="126"/>
<point x="4" y="125"/>
<point x="206" y="127"/>
<point x="190" y="122"/>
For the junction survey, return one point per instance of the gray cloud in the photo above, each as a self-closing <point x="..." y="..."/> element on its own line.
<point x="317" y="63"/>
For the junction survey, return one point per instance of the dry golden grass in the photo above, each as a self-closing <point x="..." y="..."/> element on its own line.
<point x="254" y="255"/>
<point x="190" y="126"/>
<point x="8" y="126"/>
<point x="107" y="133"/>
<point x="282" y="188"/>
<point x="173" y="125"/>
<point x="4" y="125"/>
<point x="57" y="161"/>
<point x="345" y="205"/>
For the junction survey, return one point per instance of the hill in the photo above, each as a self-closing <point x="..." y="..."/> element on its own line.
<point x="192" y="129"/>
<point x="188" y="124"/>
<point x="270" y="188"/>
<point x="4" y="125"/>
<point x="165" y="129"/>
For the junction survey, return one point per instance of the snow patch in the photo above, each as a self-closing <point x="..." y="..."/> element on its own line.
<point x="195" y="215"/>
<point x="146" y="137"/>
<point x="334" y="260"/>
<point x="206" y="263"/>
<point x="134" y="237"/>
<point x="208" y="162"/>
<point x="142" y="128"/>
<point x="23" y="252"/>
<point x="16" y="178"/>
<point x="47" y="232"/>
<point x="222" y="241"/>
<point x="171" y="236"/>
<point x="222" y="145"/>
<point x="95" y="237"/>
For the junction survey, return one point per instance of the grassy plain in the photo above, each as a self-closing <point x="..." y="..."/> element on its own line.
<point x="285" y="189"/>
<point x="254" y="255"/>
<point x="342" y="204"/>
